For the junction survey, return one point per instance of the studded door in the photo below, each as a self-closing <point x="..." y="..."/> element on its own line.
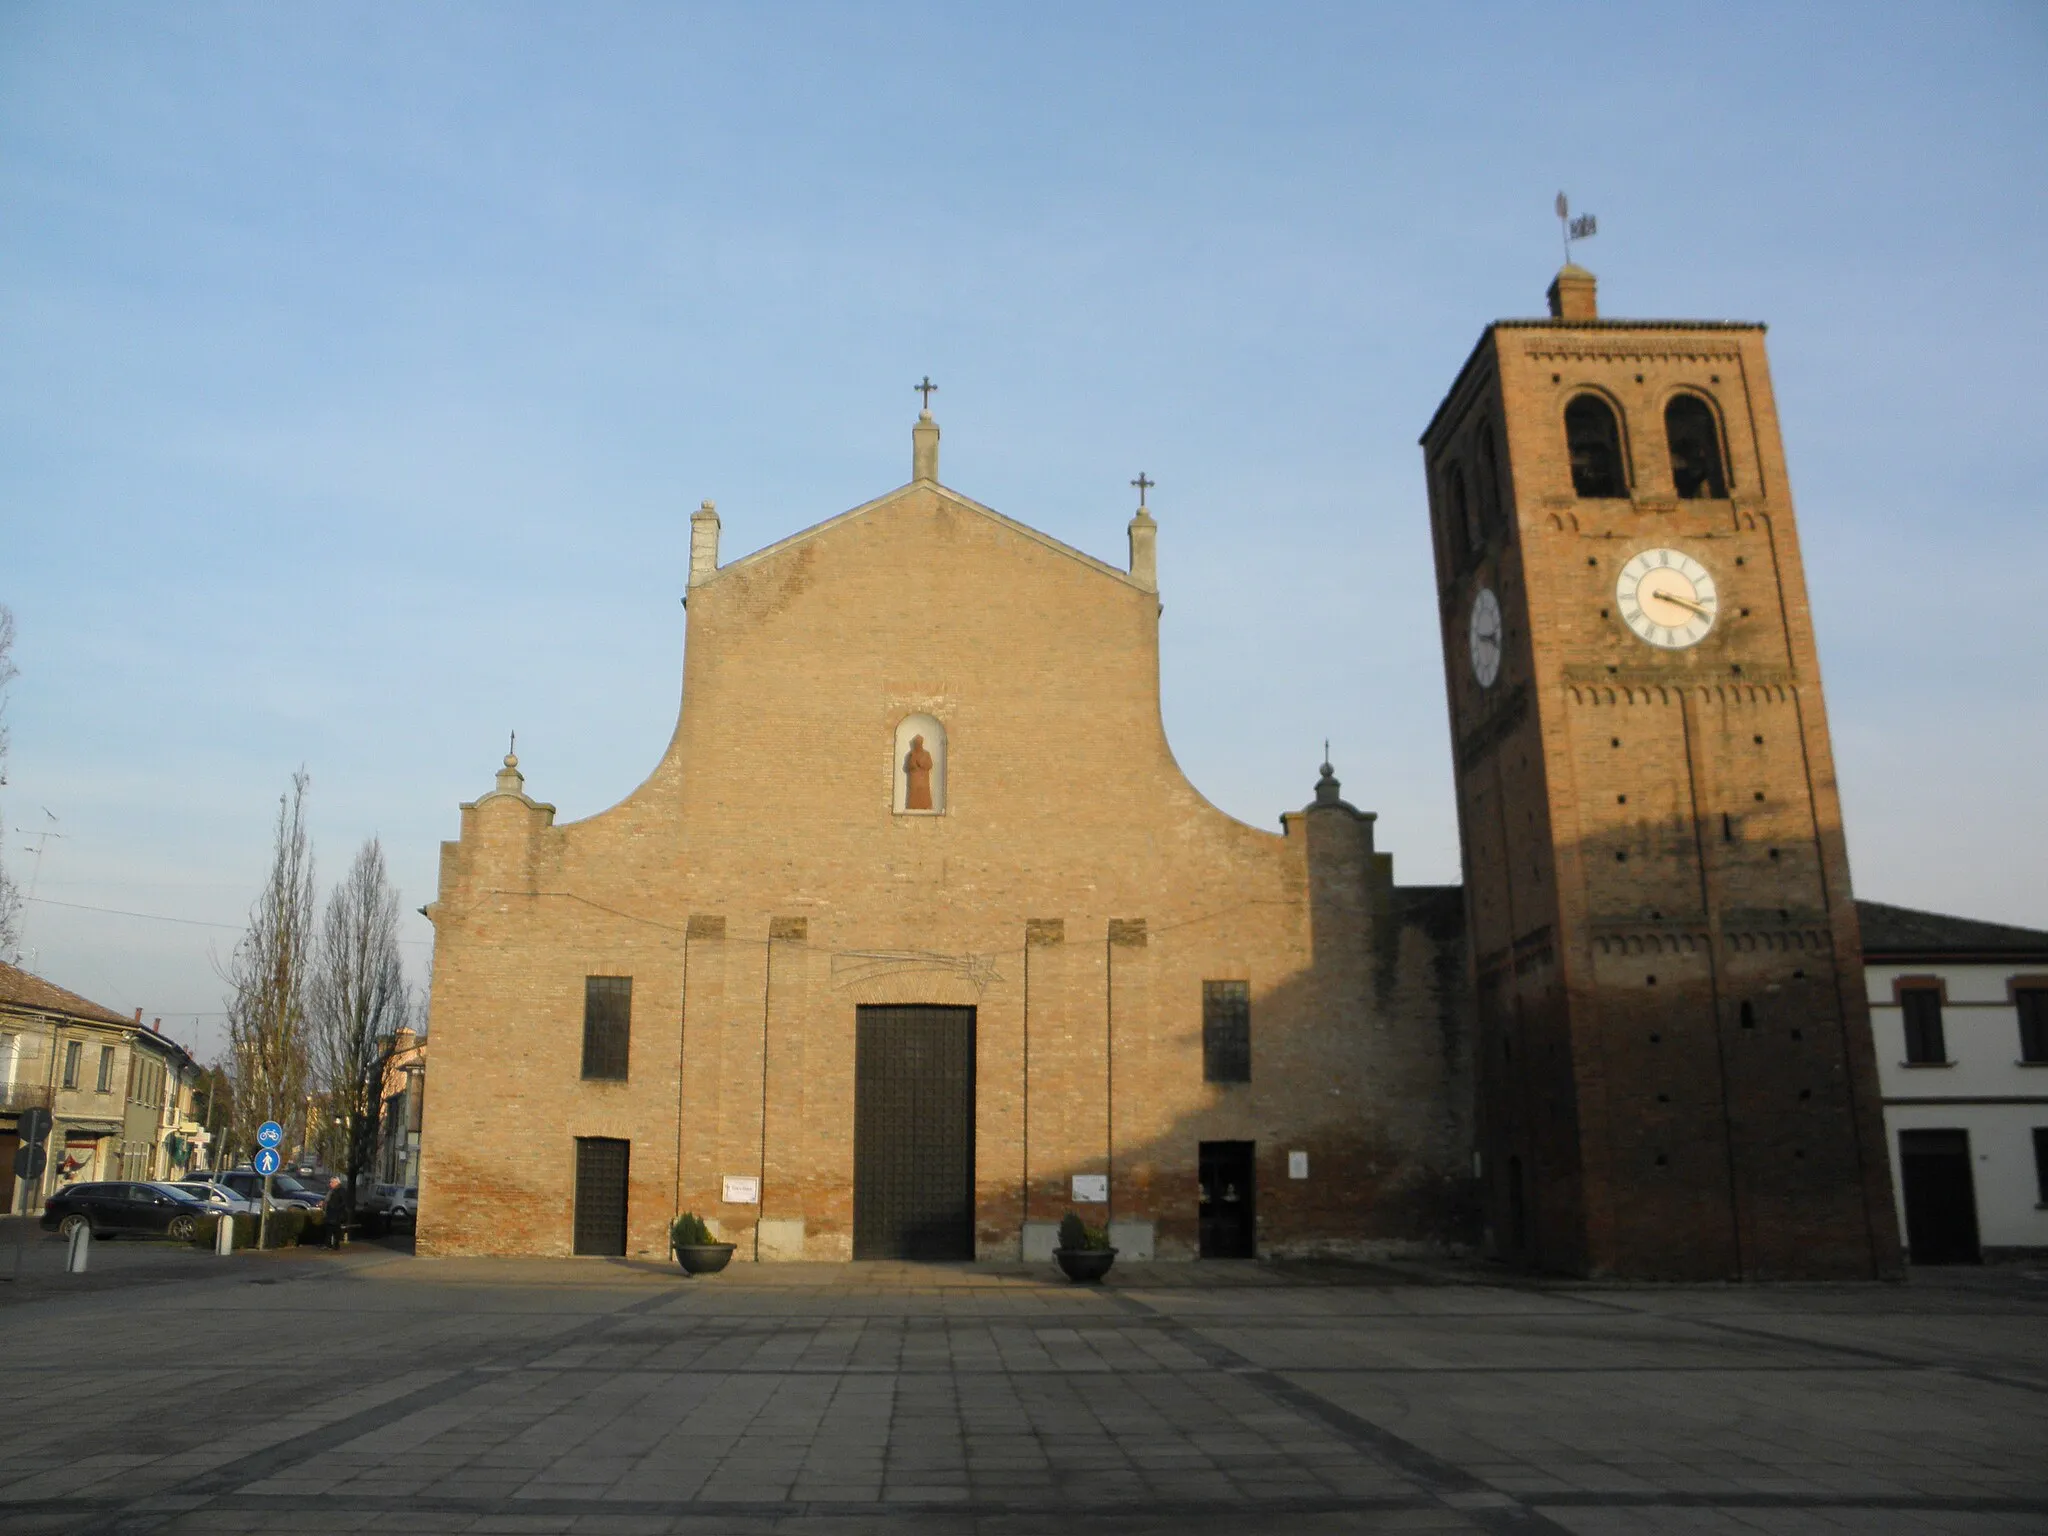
<point x="913" y="1133"/>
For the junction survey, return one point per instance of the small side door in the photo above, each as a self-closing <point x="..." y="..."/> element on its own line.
<point x="1228" y="1226"/>
<point x="1940" y="1197"/>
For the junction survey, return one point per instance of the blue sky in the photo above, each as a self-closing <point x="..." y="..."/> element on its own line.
<point x="359" y="369"/>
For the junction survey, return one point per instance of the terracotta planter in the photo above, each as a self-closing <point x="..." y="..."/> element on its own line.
<point x="1085" y="1264"/>
<point x="704" y="1258"/>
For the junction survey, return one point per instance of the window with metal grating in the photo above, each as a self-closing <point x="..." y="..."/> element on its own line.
<point x="1226" y="1031"/>
<point x="607" y="1025"/>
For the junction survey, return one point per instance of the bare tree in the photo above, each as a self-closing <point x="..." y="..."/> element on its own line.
<point x="268" y="975"/>
<point x="10" y="893"/>
<point x="359" y="1001"/>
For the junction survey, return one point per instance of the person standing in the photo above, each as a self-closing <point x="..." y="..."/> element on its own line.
<point x="337" y="1212"/>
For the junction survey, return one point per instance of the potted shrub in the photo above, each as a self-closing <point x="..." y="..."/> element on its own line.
<point x="695" y="1248"/>
<point x="1084" y="1251"/>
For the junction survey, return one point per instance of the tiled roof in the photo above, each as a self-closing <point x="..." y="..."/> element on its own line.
<point x="1901" y="933"/>
<point x="19" y="988"/>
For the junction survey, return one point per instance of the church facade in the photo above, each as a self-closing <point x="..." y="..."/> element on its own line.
<point x="917" y="938"/>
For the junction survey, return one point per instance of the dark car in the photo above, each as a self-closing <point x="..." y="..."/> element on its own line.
<point x="141" y="1210"/>
<point x="284" y="1189"/>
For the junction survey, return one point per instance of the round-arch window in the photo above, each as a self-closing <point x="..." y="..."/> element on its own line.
<point x="1695" y="441"/>
<point x="1594" y="438"/>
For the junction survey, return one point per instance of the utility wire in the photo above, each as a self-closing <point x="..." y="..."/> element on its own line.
<point x="158" y="917"/>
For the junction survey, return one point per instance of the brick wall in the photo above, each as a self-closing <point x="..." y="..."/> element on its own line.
<point x="763" y="855"/>
<point x="1673" y="1050"/>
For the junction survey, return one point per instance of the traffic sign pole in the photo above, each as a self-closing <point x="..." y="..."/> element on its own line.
<point x="32" y="1129"/>
<point x="267" y="1162"/>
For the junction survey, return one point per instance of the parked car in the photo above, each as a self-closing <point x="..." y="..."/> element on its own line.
<point x="109" y="1210"/>
<point x="390" y="1205"/>
<point x="218" y="1196"/>
<point x="284" y="1189"/>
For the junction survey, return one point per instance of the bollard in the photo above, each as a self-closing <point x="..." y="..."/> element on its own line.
<point x="80" y="1250"/>
<point x="224" y="1234"/>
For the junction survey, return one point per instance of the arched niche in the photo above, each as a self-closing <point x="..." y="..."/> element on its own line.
<point x="920" y="766"/>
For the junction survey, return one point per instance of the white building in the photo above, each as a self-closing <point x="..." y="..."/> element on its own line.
<point x="1960" y="1012"/>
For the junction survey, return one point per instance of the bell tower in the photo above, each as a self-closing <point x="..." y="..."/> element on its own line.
<point x="1675" y="1068"/>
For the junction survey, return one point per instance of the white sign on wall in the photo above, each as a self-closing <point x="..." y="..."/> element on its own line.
<point x="1297" y="1165"/>
<point x="1091" y="1189"/>
<point x="742" y="1189"/>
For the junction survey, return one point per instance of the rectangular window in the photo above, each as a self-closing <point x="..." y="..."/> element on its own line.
<point x="2041" y="1163"/>
<point x="2032" y="1003"/>
<point x="106" y="1069"/>
<point x="1924" y="1043"/>
<point x="1226" y="1031"/>
<point x="72" y="1053"/>
<point x="607" y="1025"/>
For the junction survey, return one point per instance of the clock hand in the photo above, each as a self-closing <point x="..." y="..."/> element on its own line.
<point x="1673" y="597"/>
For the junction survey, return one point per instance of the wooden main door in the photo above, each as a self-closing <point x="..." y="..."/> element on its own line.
<point x="913" y="1133"/>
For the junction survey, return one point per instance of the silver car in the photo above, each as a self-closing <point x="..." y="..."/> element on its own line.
<point x="219" y="1196"/>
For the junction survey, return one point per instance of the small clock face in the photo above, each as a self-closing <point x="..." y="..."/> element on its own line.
<point x="1484" y="637"/>
<point x="1667" y="598"/>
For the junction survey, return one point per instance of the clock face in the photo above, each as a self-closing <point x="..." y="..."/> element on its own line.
<point x="1667" y="598"/>
<point x="1483" y="640"/>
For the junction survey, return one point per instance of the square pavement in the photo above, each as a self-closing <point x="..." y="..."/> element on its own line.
<point x="309" y="1392"/>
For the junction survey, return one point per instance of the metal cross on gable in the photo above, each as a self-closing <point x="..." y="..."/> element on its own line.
<point x="1143" y="484"/>
<point x="926" y="388"/>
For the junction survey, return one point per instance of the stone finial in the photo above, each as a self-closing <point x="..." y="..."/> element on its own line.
<point x="1145" y="551"/>
<point x="510" y="780"/>
<point x="703" y="543"/>
<point x="1327" y="787"/>
<point x="924" y="449"/>
<point x="1573" y="294"/>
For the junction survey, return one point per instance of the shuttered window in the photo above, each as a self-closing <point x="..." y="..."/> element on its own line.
<point x="607" y="1025"/>
<point x="1925" y="1045"/>
<point x="1226" y="1031"/>
<point x="2032" y="1003"/>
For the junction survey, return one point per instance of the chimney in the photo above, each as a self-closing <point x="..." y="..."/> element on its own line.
<point x="156" y="1026"/>
<point x="138" y="1015"/>
<point x="1572" y="294"/>
<point x="704" y="543"/>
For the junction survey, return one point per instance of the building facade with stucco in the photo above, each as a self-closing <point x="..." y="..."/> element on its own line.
<point x="917" y="938"/>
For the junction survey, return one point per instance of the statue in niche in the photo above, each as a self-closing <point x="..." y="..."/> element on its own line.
<point x="917" y="777"/>
<point x="918" y="766"/>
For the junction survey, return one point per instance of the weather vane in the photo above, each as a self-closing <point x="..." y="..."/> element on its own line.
<point x="927" y="389"/>
<point x="1584" y="227"/>
<point x="1143" y="486"/>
